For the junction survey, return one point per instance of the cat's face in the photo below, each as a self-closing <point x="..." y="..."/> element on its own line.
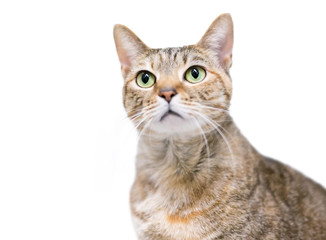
<point x="176" y="90"/>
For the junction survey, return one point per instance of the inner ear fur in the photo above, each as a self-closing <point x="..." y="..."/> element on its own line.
<point x="128" y="46"/>
<point x="218" y="40"/>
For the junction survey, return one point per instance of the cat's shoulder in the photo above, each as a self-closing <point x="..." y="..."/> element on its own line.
<point x="278" y="175"/>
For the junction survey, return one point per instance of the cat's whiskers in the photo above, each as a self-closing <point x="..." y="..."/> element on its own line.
<point x="199" y="110"/>
<point x="192" y="110"/>
<point x="135" y="116"/>
<point x="220" y="132"/>
<point x="136" y="113"/>
<point x="194" y="179"/>
<point x="217" y="125"/>
<point x="146" y="126"/>
<point x="144" y="118"/>
<point x="202" y="134"/>
<point x="139" y="111"/>
<point x="195" y="104"/>
<point x="148" y="116"/>
<point x="142" y="115"/>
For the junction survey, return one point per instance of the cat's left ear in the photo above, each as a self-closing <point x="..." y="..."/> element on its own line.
<point x="128" y="45"/>
<point x="218" y="39"/>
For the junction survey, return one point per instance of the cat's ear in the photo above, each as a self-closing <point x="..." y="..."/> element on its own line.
<point x="128" y="45"/>
<point x="218" y="39"/>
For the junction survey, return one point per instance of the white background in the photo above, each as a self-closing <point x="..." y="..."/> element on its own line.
<point x="66" y="149"/>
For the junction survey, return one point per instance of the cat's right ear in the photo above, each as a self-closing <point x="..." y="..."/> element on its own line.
<point x="128" y="45"/>
<point x="218" y="40"/>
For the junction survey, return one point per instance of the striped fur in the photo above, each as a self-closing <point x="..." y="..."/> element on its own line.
<point x="197" y="177"/>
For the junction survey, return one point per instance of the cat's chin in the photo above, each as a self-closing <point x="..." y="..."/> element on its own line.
<point x="173" y="123"/>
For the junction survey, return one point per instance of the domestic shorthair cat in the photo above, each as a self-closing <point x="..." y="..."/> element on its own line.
<point x="197" y="176"/>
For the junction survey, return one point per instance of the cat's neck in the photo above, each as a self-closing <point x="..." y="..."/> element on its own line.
<point x="182" y="166"/>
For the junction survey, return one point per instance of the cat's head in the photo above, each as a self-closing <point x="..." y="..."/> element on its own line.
<point x="181" y="89"/>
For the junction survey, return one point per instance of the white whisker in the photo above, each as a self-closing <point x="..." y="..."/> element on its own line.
<point x="194" y="104"/>
<point x="205" y="140"/>
<point x="202" y="134"/>
<point x="143" y="120"/>
<point x="142" y="114"/>
<point x="198" y="110"/>
<point x="145" y="128"/>
<point x="220" y="132"/>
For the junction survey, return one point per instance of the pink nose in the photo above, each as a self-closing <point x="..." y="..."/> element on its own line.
<point x="167" y="93"/>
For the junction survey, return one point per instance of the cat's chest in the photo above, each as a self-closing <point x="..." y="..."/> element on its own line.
<point x="161" y="225"/>
<point x="153" y="222"/>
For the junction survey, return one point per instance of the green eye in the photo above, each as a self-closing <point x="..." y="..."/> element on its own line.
<point x="195" y="74"/>
<point x="145" y="79"/>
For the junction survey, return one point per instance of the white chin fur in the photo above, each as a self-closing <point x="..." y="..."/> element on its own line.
<point x="172" y="124"/>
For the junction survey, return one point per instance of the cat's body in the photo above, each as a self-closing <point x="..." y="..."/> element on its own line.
<point x="254" y="198"/>
<point x="197" y="177"/>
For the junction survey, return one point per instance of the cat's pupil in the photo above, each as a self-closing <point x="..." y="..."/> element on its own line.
<point x="195" y="73"/>
<point x="145" y="77"/>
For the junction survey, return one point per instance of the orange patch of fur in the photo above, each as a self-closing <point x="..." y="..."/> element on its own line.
<point x="175" y="218"/>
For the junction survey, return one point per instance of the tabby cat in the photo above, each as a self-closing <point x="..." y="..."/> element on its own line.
<point x="197" y="176"/>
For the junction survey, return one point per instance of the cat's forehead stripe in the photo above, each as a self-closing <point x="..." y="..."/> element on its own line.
<point x="167" y="59"/>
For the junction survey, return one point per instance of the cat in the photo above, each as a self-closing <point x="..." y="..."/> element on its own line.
<point x="197" y="176"/>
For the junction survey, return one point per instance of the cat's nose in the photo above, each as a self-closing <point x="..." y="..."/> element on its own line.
<point x="167" y="93"/>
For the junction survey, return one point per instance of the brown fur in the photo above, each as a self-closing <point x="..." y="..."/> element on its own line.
<point x="197" y="177"/>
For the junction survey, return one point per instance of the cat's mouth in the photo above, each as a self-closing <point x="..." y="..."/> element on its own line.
<point x="170" y="113"/>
